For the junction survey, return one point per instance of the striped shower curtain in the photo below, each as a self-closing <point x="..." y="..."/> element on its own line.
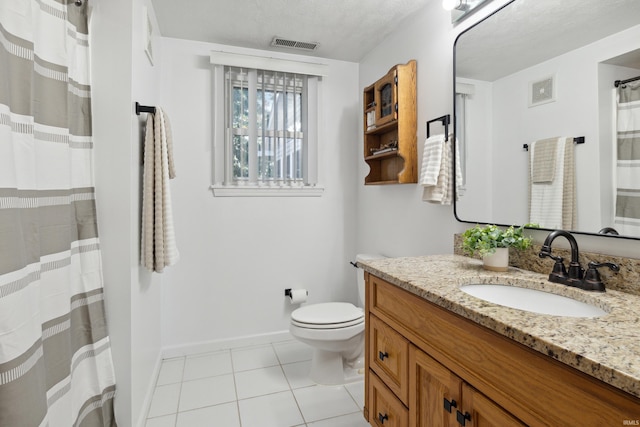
<point x="627" y="218"/>
<point x="55" y="357"/>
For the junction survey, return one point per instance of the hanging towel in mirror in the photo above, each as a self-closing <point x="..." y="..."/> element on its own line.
<point x="552" y="204"/>
<point x="543" y="154"/>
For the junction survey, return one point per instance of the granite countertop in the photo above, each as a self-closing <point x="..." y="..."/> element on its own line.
<point x="605" y="347"/>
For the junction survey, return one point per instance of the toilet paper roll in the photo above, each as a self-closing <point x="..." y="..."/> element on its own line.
<point x="298" y="296"/>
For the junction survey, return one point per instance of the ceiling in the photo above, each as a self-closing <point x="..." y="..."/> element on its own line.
<point x="344" y="29"/>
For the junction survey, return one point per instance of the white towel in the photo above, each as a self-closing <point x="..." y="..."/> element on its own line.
<point x="158" y="245"/>
<point x="552" y="204"/>
<point x="435" y="172"/>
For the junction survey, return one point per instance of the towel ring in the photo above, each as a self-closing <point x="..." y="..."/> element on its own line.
<point x="445" y="120"/>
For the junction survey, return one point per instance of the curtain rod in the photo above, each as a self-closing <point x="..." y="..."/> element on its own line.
<point x="621" y="82"/>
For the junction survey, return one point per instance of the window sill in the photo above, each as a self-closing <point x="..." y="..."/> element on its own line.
<point x="257" y="191"/>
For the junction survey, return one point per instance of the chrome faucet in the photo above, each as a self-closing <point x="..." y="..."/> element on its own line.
<point x="575" y="276"/>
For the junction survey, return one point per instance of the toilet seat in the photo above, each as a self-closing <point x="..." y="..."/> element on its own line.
<point x="330" y="315"/>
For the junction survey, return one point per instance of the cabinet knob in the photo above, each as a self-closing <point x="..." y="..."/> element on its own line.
<point x="382" y="418"/>
<point x="463" y="418"/>
<point x="450" y="404"/>
<point x="382" y="355"/>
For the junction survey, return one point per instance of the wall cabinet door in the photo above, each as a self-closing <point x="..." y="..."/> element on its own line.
<point x="386" y="95"/>
<point x="439" y="398"/>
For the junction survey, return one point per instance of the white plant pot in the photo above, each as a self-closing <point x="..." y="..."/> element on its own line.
<point x="497" y="261"/>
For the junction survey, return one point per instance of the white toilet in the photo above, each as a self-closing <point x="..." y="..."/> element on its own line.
<point x="335" y="330"/>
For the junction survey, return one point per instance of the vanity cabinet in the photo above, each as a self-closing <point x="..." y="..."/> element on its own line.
<point x="390" y="127"/>
<point x="443" y="399"/>
<point x="492" y="379"/>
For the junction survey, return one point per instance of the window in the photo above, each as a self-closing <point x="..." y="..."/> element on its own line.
<point x="265" y="127"/>
<point x="264" y="115"/>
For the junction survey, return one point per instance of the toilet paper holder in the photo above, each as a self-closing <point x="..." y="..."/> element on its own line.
<point x="287" y="292"/>
<point x="296" y="296"/>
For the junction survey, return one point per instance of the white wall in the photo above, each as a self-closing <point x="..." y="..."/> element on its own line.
<point x="121" y="74"/>
<point x="238" y="254"/>
<point x="414" y="227"/>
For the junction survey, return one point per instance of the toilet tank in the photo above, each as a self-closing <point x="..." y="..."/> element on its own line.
<point x="360" y="273"/>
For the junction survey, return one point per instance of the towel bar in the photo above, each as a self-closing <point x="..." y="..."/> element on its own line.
<point x="144" y="109"/>
<point x="576" y="140"/>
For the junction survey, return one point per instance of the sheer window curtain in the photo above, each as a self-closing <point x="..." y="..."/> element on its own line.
<point x="461" y="133"/>
<point x="627" y="217"/>
<point x="464" y="92"/>
<point x="55" y="357"/>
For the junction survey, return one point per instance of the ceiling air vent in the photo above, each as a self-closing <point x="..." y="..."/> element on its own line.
<point x="293" y="44"/>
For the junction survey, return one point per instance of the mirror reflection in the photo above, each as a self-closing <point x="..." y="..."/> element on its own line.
<point x="532" y="82"/>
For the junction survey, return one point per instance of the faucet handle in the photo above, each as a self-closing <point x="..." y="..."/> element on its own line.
<point x="612" y="266"/>
<point x="559" y="272"/>
<point x="547" y="253"/>
<point x="592" y="280"/>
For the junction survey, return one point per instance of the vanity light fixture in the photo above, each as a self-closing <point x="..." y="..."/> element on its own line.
<point x="460" y="9"/>
<point x="453" y="4"/>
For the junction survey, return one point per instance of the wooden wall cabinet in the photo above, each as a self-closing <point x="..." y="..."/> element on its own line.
<point x="426" y="366"/>
<point x="390" y="127"/>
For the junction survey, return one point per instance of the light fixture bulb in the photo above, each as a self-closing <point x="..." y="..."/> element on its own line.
<point x="451" y="4"/>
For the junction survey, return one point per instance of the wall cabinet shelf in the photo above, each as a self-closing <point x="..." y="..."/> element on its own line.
<point x="428" y="367"/>
<point x="390" y="122"/>
<point x="381" y="156"/>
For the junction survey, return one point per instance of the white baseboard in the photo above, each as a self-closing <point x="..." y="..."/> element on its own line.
<point x="224" y="344"/>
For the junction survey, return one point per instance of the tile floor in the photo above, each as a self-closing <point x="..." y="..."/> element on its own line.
<point x="265" y="386"/>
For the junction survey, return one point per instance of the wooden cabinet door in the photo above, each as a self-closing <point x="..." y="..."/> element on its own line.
<point x="434" y="392"/>
<point x="389" y="356"/>
<point x="439" y="398"/>
<point x="385" y="408"/>
<point x="483" y="412"/>
<point x="386" y="96"/>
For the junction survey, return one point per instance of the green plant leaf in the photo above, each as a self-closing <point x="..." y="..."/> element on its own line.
<point x="485" y="239"/>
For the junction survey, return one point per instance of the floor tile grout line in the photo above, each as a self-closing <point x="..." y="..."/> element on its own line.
<point x="184" y="366"/>
<point x="280" y="363"/>
<point x="235" y="387"/>
<point x="304" y="420"/>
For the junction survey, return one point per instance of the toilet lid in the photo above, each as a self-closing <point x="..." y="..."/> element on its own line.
<point x="329" y="313"/>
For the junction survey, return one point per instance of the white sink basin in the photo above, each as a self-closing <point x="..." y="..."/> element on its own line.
<point x="532" y="300"/>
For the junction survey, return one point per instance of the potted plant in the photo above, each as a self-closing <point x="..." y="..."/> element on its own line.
<point x="493" y="243"/>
